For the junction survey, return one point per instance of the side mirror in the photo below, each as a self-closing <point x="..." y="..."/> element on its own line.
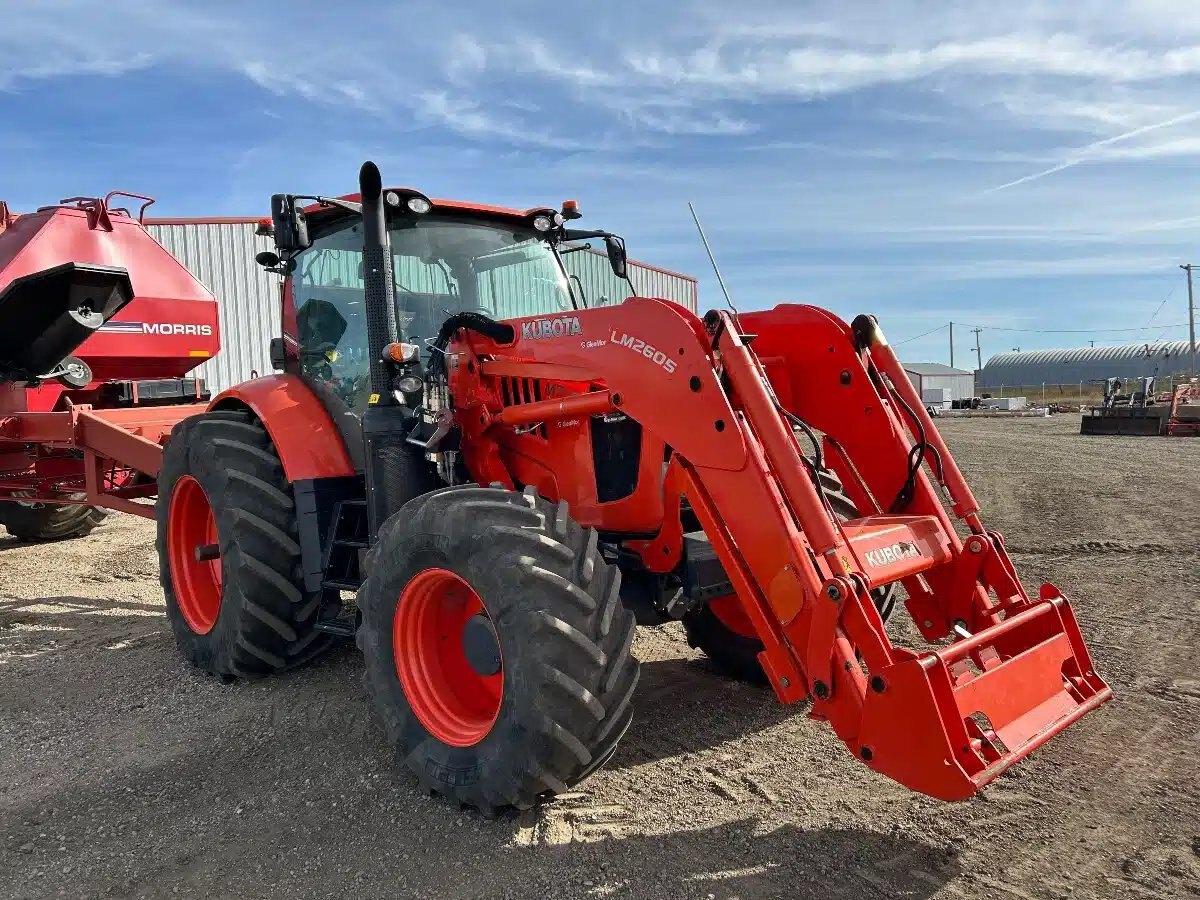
<point x="616" y="255"/>
<point x="290" y="223"/>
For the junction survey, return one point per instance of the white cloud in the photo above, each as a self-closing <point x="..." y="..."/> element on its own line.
<point x="464" y="116"/>
<point x="465" y="57"/>
<point x="873" y="125"/>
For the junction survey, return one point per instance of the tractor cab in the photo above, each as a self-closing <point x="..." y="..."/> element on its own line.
<point x="447" y="259"/>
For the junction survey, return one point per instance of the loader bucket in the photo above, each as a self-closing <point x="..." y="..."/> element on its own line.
<point x="1148" y="421"/>
<point x="948" y="722"/>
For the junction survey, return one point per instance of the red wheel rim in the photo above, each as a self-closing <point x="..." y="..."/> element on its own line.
<point x="732" y="615"/>
<point x="197" y="582"/>
<point x="456" y="704"/>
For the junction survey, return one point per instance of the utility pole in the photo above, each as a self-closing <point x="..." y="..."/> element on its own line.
<point x="1191" y="316"/>
<point x="952" y="345"/>
<point x="978" y="352"/>
<point x="1091" y="343"/>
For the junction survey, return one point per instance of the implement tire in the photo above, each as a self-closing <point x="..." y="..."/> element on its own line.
<point x="36" y="522"/>
<point x="245" y="613"/>
<point x="723" y="631"/>
<point x="498" y="653"/>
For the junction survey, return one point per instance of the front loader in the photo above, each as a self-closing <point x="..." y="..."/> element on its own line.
<point x="488" y="482"/>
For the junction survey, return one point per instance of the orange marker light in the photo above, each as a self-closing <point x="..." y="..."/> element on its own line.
<point x="401" y="352"/>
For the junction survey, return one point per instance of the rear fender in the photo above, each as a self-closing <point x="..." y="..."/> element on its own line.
<point x="304" y="434"/>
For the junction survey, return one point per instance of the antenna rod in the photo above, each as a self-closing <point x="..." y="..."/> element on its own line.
<point x="712" y="259"/>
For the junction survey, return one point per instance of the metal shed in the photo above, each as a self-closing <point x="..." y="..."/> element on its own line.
<point x="933" y="380"/>
<point x="220" y="252"/>
<point x="1085" y="364"/>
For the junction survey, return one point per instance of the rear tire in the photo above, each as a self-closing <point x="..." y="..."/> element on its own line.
<point x="725" y="634"/>
<point x="562" y="642"/>
<point x="46" y="522"/>
<point x="247" y="613"/>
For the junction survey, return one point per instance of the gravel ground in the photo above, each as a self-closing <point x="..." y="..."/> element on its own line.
<point x="126" y="773"/>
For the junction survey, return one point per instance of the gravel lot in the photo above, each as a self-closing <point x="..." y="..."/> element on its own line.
<point x="123" y="772"/>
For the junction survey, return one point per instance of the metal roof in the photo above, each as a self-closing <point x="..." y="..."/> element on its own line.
<point x="1077" y="364"/>
<point x="933" y="369"/>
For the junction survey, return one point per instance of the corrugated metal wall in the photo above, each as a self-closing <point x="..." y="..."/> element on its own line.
<point x="961" y="386"/>
<point x="221" y="255"/>
<point x="601" y="287"/>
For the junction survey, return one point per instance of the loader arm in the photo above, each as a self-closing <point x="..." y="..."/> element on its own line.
<point x="944" y="721"/>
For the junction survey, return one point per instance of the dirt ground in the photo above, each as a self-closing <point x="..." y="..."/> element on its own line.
<point x="123" y="772"/>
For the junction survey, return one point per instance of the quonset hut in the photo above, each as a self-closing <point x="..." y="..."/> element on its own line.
<point x="1085" y="364"/>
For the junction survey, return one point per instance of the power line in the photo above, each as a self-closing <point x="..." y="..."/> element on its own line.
<point x="917" y="337"/>
<point x="1170" y="294"/>
<point x="1079" y="330"/>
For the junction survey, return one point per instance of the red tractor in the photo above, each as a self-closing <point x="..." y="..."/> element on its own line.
<point x="99" y="328"/>
<point x="488" y="483"/>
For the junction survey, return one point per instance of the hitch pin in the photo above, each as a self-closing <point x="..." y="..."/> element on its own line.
<point x="960" y="628"/>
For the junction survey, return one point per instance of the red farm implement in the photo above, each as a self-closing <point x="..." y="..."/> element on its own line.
<point x="99" y="327"/>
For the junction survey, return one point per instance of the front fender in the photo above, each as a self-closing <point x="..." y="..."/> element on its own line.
<point x="304" y="434"/>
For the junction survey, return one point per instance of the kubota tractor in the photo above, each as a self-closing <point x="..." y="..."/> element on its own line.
<point x="505" y="478"/>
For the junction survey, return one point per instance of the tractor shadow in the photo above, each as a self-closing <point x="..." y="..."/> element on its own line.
<point x="31" y="627"/>
<point x="683" y="706"/>
<point x="742" y="859"/>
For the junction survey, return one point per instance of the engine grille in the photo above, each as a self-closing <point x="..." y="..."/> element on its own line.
<point x="517" y="391"/>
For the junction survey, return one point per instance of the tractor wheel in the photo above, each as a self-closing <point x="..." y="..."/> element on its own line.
<point x="227" y="549"/>
<point x="725" y="633"/>
<point x="497" y="648"/>
<point x="33" y="521"/>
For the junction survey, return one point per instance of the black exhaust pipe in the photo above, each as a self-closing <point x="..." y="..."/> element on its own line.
<point x="385" y="422"/>
<point x="379" y="297"/>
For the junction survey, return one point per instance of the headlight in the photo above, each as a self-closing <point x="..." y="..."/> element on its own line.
<point x="419" y="205"/>
<point x="542" y="223"/>
<point x="410" y="384"/>
<point x="391" y="198"/>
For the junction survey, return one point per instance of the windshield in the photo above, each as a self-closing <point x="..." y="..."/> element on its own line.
<point x="441" y="266"/>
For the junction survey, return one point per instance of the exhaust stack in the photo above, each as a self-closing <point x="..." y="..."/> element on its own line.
<point x="379" y="287"/>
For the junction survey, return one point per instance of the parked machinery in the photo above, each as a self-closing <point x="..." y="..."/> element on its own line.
<point x="1175" y="413"/>
<point x="485" y="481"/>
<point x="99" y="327"/>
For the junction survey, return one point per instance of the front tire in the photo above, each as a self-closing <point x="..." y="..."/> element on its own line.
<point x="244" y="613"/>
<point x="545" y="703"/>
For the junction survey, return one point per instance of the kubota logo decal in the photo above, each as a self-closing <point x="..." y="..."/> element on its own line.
<point x="156" y="328"/>
<point x="894" y="553"/>
<point x="637" y="345"/>
<point x="546" y="328"/>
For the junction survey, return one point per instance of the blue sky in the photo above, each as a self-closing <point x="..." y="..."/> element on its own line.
<point x="1016" y="165"/>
